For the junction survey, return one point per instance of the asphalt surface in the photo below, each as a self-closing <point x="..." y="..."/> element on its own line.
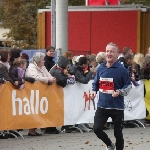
<point x="135" y="139"/>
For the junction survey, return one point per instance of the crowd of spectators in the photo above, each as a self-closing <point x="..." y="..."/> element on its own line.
<point x="16" y="68"/>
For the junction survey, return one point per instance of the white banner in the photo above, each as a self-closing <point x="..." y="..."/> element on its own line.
<point x="79" y="108"/>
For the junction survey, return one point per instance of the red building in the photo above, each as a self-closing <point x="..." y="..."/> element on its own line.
<point x="102" y="2"/>
<point x="91" y="28"/>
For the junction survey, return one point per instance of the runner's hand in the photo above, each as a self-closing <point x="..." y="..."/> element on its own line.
<point x="115" y="93"/>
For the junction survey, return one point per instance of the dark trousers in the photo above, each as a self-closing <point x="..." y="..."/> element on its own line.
<point x="100" y="119"/>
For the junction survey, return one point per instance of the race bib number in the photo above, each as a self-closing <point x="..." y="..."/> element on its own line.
<point x="106" y="85"/>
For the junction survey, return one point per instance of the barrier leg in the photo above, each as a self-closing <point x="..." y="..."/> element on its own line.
<point x="136" y="124"/>
<point x="140" y="123"/>
<point x="17" y="133"/>
<point x="84" y="128"/>
<point x="76" y="129"/>
<point x="9" y="133"/>
<point x="130" y="124"/>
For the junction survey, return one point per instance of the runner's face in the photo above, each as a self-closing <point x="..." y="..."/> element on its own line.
<point x="111" y="54"/>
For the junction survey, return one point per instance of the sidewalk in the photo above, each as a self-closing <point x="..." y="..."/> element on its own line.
<point x="135" y="139"/>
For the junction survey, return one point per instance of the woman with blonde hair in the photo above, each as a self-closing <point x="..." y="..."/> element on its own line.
<point x="143" y="73"/>
<point x="138" y="66"/>
<point x="138" y="60"/>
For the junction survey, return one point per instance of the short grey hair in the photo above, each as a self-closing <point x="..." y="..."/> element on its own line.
<point x="114" y="45"/>
<point x="37" y="57"/>
<point x="100" y="57"/>
<point x="91" y="57"/>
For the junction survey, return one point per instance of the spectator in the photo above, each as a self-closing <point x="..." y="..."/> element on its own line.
<point x="128" y="60"/>
<point x="17" y="73"/>
<point x="77" y="58"/>
<point x="143" y="73"/>
<point x="25" y="56"/>
<point x="69" y="55"/>
<point x="37" y="70"/>
<point x="5" y="67"/>
<point x="74" y="59"/>
<point x="113" y="83"/>
<point x="4" y="64"/>
<point x="82" y="72"/>
<point x="91" y="59"/>
<point x="126" y="50"/>
<point x="2" y="136"/>
<point x="146" y="62"/>
<point x="128" y="64"/>
<point x="138" y="66"/>
<point x="61" y="74"/>
<point x="100" y="58"/>
<point x="60" y="71"/>
<point x="14" y="53"/>
<point x="49" y="63"/>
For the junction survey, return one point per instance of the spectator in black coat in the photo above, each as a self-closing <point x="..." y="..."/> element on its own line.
<point x="81" y="71"/>
<point x="60" y="71"/>
<point x="143" y="74"/>
<point x="83" y="74"/>
<point x="49" y="63"/>
<point x="14" y="54"/>
<point x="126" y="50"/>
<point x="138" y="66"/>
<point x="4" y="65"/>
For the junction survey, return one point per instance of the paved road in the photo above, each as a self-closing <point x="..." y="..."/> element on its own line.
<point x="135" y="139"/>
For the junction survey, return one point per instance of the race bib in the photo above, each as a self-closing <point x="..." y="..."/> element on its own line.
<point x="106" y="85"/>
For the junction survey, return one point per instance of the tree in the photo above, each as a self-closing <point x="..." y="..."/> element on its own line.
<point x="144" y="2"/>
<point x="20" y="16"/>
<point x="76" y="2"/>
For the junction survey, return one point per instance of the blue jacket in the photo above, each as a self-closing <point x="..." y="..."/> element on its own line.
<point x="109" y="79"/>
